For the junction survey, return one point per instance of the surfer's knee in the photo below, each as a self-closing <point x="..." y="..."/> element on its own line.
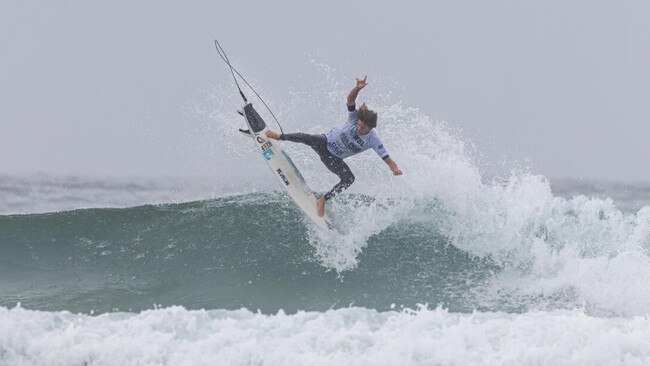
<point x="347" y="178"/>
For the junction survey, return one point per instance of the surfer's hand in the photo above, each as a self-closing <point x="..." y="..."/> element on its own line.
<point x="361" y="83"/>
<point x="391" y="164"/>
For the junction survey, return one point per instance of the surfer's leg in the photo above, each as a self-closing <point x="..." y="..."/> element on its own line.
<point x="337" y="166"/>
<point x="304" y="138"/>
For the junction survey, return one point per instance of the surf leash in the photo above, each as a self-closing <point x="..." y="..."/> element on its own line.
<point x="234" y="71"/>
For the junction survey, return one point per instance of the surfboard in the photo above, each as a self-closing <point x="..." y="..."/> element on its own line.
<point x="282" y="167"/>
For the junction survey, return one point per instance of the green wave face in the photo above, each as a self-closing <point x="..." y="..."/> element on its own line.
<point x="251" y="251"/>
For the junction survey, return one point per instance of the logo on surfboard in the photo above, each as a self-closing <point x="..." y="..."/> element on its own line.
<point x="267" y="154"/>
<point x="284" y="179"/>
<point x="266" y="145"/>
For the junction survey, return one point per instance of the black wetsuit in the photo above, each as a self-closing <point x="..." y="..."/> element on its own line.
<point x="335" y="164"/>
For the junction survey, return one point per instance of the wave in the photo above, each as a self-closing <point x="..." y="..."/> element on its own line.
<point x="250" y="250"/>
<point x="257" y="251"/>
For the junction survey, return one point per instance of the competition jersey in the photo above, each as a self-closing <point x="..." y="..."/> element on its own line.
<point x="344" y="141"/>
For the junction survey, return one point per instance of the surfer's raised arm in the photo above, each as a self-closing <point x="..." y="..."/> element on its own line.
<point x="352" y="97"/>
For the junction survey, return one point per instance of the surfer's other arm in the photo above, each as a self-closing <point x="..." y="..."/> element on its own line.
<point x="352" y="97"/>
<point x="393" y="167"/>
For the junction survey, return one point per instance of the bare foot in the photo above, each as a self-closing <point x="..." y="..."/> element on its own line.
<point x="320" y="206"/>
<point x="272" y="135"/>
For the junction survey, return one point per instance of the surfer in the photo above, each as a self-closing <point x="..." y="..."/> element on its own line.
<point x="355" y="136"/>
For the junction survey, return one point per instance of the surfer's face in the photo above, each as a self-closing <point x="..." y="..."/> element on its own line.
<point x="362" y="128"/>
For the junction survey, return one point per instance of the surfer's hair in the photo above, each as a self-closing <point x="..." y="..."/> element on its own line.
<point x="368" y="116"/>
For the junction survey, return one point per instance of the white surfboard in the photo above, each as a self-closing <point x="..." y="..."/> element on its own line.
<point x="282" y="167"/>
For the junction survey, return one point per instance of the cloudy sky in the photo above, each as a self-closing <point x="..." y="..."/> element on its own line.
<point x="105" y="87"/>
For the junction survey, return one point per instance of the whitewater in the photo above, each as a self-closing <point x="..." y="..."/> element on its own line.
<point x="444" y="265"/>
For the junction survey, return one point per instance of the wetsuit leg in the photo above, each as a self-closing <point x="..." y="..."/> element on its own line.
<point x="304" y="138"/>
<point x="337" y="166"/>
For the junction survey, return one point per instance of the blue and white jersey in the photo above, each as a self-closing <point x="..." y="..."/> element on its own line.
<point x="344" y="141"/>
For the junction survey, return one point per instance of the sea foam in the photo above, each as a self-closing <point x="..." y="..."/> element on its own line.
<point x="351" y="336"/>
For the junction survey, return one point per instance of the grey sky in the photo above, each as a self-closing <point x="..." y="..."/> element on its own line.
<point x="99" y="87"/>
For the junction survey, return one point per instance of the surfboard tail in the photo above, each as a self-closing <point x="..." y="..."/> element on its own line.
<point x="254" y="119"/>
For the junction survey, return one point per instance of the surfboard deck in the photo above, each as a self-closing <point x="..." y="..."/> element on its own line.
<point x="282" y="167"/>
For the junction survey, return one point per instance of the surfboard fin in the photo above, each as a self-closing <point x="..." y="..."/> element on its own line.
<point x="245" y="132"/>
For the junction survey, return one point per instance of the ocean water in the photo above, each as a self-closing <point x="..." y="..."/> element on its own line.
<point x="442" y="266"/>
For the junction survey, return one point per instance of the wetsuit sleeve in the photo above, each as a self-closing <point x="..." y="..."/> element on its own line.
<point x="378" y="146"/>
